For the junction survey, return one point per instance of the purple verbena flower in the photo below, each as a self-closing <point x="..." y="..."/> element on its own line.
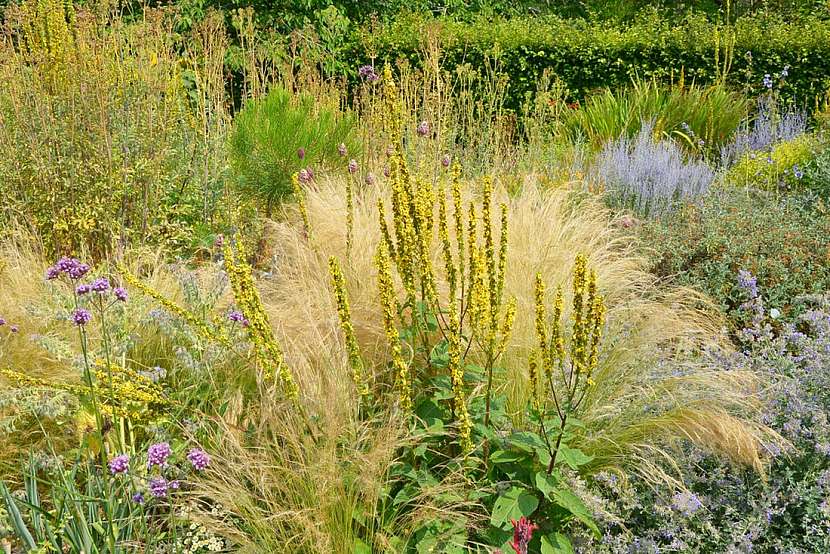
<point x="119" y="464"/>
<point x="120" y="293"/>
<point x="101" y="284"/>
<point x="158" y="453"/>
<point x="81" y="317"/>
<point x="81" y="290"/>
<point x="138" y="498"/>
<point x="198" y="458"/>
<point x="158" y="487"/>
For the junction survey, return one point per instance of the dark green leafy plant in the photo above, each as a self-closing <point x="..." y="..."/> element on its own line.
<point x="281" y="133"/>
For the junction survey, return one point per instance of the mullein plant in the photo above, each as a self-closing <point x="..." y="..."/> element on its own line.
<point x="472" y="311"/>
<point x="561" y="373"/>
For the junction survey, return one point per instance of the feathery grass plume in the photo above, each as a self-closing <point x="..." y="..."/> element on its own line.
<point x="386" y="294"/>
<point x="352" y="349"/>
<point x="268" y="351"/>
<point x="645" y="377"/>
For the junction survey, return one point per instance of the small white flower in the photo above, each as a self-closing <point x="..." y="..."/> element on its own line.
<point x="774" y="313"/>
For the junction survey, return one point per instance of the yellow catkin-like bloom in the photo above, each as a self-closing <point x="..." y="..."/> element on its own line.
<point x="472" y="240"/>
<point x="392" y="116"/>
<point x="352" y="349"/>
<point x="446" y="246"/>
<point x="424" y="202"/>
<point x="479" y="298"/>
<point x="502" y="253"/>
<point x="507" y="326"/>
<point x="300" y="195"/>
<point x="533" y="368"/>
<point x="199" y="326"/>
<point x="557" y="340"/>
<point x="597" y="323"/>
<point x="458" y="215"/>
<point x="490" y="255"/>
<point x="267" y="349"/>
<point x="580" y="329"/>
<point x="386" y="294"/>
<point x="541" y="323"/>
<point x="462" y="415"/>
<point x="384" y="229"/>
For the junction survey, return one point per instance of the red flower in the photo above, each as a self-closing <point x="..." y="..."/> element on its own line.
<point x="522" y="533"/>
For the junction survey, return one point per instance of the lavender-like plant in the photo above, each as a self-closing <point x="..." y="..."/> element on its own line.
<point x="650" y="175"/>
<point x="770" y="126"/>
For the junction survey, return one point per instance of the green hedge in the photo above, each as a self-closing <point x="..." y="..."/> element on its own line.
<point x="592" y="56"/>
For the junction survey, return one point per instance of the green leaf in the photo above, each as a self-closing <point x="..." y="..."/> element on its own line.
<point x="515" y="503"/>
<point x="573" y="456"/>
<point x="556" y="543"/>
<point x="571" y="502"/>
<point x="546" y="483"/>
<point x="506" y="456"/>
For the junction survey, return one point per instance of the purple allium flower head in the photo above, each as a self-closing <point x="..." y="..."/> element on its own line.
<point x="342" y="150"/>
<point x="2" y="321"/>
<point x="687" y="503"/>
<point x="352" y="166"/>
<point x="158" y="487"/>
<point x="367" y="73"/>
<point x="370" y="179"/>
<point x="386" y="171"/>
<point x="422" y="129"/>
<point x="198" y="458"/>
<point x="120" y="293"/>
<point x="445" y="160"/>
<point x="14" y="328"/>
<point x="767" y="80"/>
<point x="81" y="317"/>
<point x="157" y="454"/>
<point x="119" y="464"/>
<point x="303" y="176"/>
<point x="101" y="284"/>
<point x="138" y="498"/>
<point x="81" y="290"/>
<point x="301" y="153"/>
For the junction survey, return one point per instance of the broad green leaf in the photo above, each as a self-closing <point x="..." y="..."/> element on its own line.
<point x="515" y="503"/>
<point x="506" y="456"/>
<point x="571" y="502"/>
<point x="546" y="483"/>
<point x="573" y="457"/>
<point x="556" y="543"/>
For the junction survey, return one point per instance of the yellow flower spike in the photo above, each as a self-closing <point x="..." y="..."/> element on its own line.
<point x="507" y="326"/>
<point x="557" y="341"/>
<point x="384" y="228"/>
<point x="533" y="367"/>
<point x="268" y="351"/>
<point x="386" y="294"/>
<point x="502" y="253"/>
<point x="458" y="215"/>
<point x="349" y="216"/>
<point x="579" y="335"/>
<point x="352" y="349"/>
<point x="479" y="298"/>
<point x="300" y="194"/>
<point x="462" y="415"/>
<point x="490" y="254"/>
<point x="444" y="235"/>
<point x="541" y="323"/>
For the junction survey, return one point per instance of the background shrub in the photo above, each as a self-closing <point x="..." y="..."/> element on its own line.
<point x="783" y="241"/>
<point x="269" y="134"/>
<point x="780" y="166"/>
<point x="650" y="175"/>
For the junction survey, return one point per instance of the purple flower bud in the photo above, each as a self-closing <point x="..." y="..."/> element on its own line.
<point x="367" y="73"/>
<point x="370" y="179"/>
<point x="119" y="464"/>
<point x="386" y="171"/>
<point x="138" y="498"/>
<point x="352" y="166"/>
<point x="445" y="160"/>
<point x="342" y="150"/>
<point x="81" y="317"/>
<point x="102" y="284"/>
<point x="81" y="290"/>
<point x="198" y="458"/>
<point x="14" y="328"/>
<point x="303" y="176"/>
<point x="158" y="453"/>
<point x="120" y="293"/>
<point x="422" y="129"/>
<point x="2" y="321"/>
<point x="301" y="153"/>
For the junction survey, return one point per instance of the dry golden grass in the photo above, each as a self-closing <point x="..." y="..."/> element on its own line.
<point x="652" y="388"/>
